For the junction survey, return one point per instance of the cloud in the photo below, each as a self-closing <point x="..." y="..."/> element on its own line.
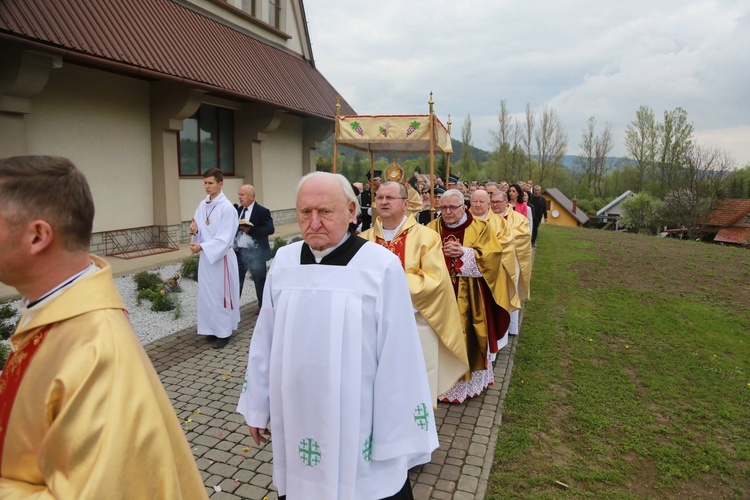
<point x="583" y="58"/>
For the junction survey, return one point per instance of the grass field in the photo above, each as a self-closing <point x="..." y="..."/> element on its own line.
<point x="632" y="374"/>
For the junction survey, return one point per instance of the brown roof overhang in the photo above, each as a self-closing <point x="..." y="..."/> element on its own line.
<point x="162" y="40"/>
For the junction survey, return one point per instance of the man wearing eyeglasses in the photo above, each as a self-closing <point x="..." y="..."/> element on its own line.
<point x="473" y="256"/>
<point x="519" y="227"/>
<point x="480" y="209"/>
<point x="435" y="309"/>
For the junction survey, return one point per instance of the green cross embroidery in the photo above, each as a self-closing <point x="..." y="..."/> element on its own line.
<point x="422" y="417"/>
<point x="309" y="452"/>
<point x="244" y="386"/>
<point x="367" y="449"/>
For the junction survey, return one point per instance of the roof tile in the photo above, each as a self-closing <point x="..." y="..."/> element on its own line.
<point x="175" y="41"/>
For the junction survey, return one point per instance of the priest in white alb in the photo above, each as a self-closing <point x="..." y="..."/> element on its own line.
<point x="335" y="363"/>
<point x="214" y="227"/>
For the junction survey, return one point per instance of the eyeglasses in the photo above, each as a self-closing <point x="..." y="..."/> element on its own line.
<point x="388" y="198"/>
<point x="449" y="208"/>
<point x="498" y="202"/>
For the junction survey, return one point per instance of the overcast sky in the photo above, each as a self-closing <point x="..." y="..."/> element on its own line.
<point x="581" y="57"/>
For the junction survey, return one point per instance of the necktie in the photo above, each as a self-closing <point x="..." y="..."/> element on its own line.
<point x="242" y="215"/>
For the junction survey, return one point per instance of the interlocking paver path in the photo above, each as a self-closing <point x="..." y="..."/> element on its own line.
<point x="204" y="385"/>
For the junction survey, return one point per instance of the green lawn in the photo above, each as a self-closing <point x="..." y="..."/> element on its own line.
<point x="632" y="373"/>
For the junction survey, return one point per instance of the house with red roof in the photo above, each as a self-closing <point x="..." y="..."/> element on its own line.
<point x="144" y="96"/>
<point x="729" y="223"/>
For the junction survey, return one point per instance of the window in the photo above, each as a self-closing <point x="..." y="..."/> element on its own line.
<point x="207" y="141"/>
<point x="248" y="6"/>
<point x="274" y="13"/>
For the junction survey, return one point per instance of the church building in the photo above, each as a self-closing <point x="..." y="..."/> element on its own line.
<point x="146" y="95"/>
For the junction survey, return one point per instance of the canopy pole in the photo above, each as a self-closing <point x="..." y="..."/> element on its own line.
<point x="432" y="158"/>
<point x="371" y="184"/>
<point x="448" y="155"/>
<point x="336" y="135"/>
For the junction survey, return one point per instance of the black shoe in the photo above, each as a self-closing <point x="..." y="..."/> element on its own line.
<point x="211" y="338"/>
<point x="220" y="343"/>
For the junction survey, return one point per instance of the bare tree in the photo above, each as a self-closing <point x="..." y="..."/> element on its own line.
<point x="529" y="135"/>
<point x="502" y="135"/>
<point x="602" y="148"/>
<point x="551" y="143"/>
<point x="675" y="142"/>
<point x="467" y="155"/>
<point x="502" y="138"/>
<point x="585" y="158"/>
<point x="593" y="157"/>
<point x="517" y="154"/>
<point x="704" y="171"/>
<point x="641" y="142"/>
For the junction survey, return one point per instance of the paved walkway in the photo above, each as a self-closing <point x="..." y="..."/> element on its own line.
<point x="204" y="386"/>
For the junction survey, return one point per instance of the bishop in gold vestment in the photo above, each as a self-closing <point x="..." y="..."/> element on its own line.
<point x="439" y="324"/>
<point x="481" y="292"/>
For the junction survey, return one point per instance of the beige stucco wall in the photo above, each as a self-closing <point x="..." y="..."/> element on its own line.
<point x="101" y="122"/>
<point x="282" y="164"/>
<point x="192" y="192"/>
<point x="289" y="24"/>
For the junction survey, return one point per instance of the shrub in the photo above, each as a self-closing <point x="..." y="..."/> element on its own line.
<point x="7" y="313"/>
<point x="166" y="302"/>
<point x="152" y="290"/>
<point x="641" y="213"/>
<point x="189" y="267"/>
<point x="146" y="280"/>
<point x="7" y="326"/>
<point x="278" y="242"/>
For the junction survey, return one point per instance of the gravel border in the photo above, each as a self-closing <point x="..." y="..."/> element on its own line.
<point x="151" y="326"/>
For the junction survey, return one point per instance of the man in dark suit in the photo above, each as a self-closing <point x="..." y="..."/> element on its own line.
<point x="251" y="244"/>
<point x="366" y="199"/>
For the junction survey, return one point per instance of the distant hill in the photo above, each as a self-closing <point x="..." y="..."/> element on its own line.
<point x="326" y="150"/>
<point x="480" y="155"/>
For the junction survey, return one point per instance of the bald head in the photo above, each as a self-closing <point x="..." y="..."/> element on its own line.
<point x="325" y="205"/>
<point x="246" y="194"/>
<point x="480" y="203"/>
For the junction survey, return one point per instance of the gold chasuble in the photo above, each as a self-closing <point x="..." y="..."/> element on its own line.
<point x="483" y="302"/>
<point x="82" y="411"/>
<point x="420" y="252"/>
<point x="505" y="237"/>
<point x="519" y="225"/>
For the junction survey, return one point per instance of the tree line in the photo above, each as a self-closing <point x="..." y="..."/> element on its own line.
<point x="663" y="162"/>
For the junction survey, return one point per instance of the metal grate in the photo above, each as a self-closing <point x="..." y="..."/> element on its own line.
<point x="138" y="242"/>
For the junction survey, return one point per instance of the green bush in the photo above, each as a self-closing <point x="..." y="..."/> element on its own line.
<point x="146" y="280"/>
<point x="146" y="294"/>
<point x="7" y="313"/>
<point x="189" y="267"/>
<point x="7" y="326"/>
<point x="150" y="289"/>
<point x="278" y="242"/>
<point x="4" y="352"/>
<point x="166" y="302"/>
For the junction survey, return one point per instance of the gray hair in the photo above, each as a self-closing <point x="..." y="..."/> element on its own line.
<point x="538" y="186"/>
<point x="454" y="192"/>
<point x="346" y="187"/>
<point x="502" y="194"/>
